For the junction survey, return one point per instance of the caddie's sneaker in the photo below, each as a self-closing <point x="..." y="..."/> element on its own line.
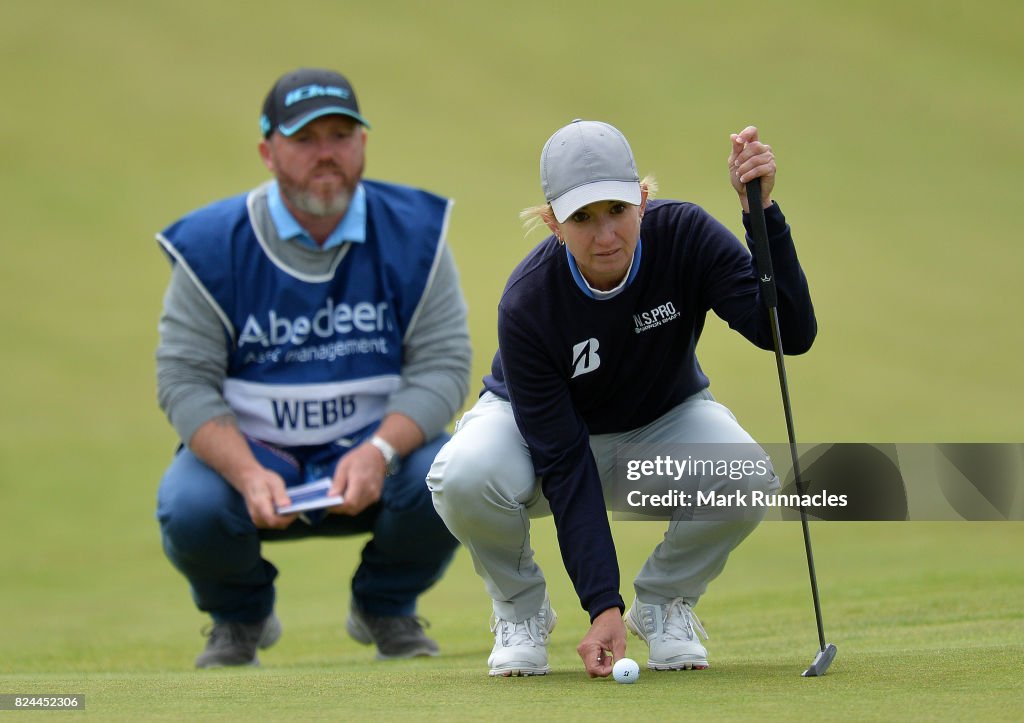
<point x="522" y="648"/>
<point x="236" y="643"/>
<point x="395" y="637"/>
<point x="670" y="635"/>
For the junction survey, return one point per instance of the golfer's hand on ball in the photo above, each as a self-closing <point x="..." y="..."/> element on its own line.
<point x="603" y="644"/>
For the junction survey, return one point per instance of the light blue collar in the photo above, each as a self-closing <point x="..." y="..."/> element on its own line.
<point x="351" y="228"/>
<point x="587" y="289"/>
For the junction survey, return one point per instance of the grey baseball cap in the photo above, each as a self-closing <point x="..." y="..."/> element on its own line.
<point x="584" y="162"/>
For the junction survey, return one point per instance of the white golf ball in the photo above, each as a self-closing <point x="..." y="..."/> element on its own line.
<point x="625" y="670"/>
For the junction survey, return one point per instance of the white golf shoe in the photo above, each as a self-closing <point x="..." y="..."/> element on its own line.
<point x="522" y="648"/>
<point x="670" y="631"/>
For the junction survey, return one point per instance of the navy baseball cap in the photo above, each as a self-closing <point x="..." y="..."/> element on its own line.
<point x="304" y="95"/>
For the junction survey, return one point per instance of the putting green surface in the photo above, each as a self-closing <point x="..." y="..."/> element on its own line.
<point x="926" y="617"/>
<point x="895" y="127"/>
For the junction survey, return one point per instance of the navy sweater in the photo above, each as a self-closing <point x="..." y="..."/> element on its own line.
<point x="573" y="365"/>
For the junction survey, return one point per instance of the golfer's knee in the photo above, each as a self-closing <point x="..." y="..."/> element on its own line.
<point x="749" y="470"/>
<point x="474" y="477"/>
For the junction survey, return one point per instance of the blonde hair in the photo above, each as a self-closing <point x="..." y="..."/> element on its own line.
<point x="542" y="215"/>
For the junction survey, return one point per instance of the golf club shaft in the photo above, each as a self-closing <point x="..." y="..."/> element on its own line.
<point x="766" y="275"/>
<point x="798" y="477"/>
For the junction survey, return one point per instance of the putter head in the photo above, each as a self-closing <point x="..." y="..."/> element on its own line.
<point x="821" y="662"/>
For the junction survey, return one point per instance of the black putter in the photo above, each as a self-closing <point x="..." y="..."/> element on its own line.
<point x="766" y="275"/>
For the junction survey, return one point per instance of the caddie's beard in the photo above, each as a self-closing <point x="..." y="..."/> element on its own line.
<point x="316" y="205"/>
<point x="308" y="201"/>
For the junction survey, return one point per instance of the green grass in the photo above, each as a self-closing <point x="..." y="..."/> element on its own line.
<point x="913" y="635"/>
<point x="894" y="125"/>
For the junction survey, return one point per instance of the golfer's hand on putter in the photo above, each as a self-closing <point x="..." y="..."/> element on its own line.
<point x="750" y="158"/>
<point x="359" y="479"/>
<point x="603" y="644"/>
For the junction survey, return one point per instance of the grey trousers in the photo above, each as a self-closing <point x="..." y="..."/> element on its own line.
<point x="485" y="489"/>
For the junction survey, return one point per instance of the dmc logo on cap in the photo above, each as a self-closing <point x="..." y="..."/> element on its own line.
<point x="314" y="91"/>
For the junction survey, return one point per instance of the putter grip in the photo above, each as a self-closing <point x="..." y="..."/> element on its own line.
<point x="762" y="254"/>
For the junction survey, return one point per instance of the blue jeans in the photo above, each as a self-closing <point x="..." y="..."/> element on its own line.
<point x="210" y="538"/>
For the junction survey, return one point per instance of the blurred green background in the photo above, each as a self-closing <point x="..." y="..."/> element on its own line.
<point x="895" y="128"/>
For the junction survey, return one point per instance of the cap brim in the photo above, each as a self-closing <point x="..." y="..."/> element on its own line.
<point x="575" y="199"/>
<point x="295" y="126"/>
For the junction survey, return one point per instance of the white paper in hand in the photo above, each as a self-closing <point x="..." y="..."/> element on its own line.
<point x="310" y="496"/>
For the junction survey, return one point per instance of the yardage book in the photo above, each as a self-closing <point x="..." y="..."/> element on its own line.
<point x="310" y="496"/>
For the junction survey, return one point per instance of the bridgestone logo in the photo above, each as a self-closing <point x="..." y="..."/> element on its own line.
<point x="585" y="358"/>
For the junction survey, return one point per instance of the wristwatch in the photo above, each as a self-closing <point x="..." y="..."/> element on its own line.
<point x="392" y="462"/>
